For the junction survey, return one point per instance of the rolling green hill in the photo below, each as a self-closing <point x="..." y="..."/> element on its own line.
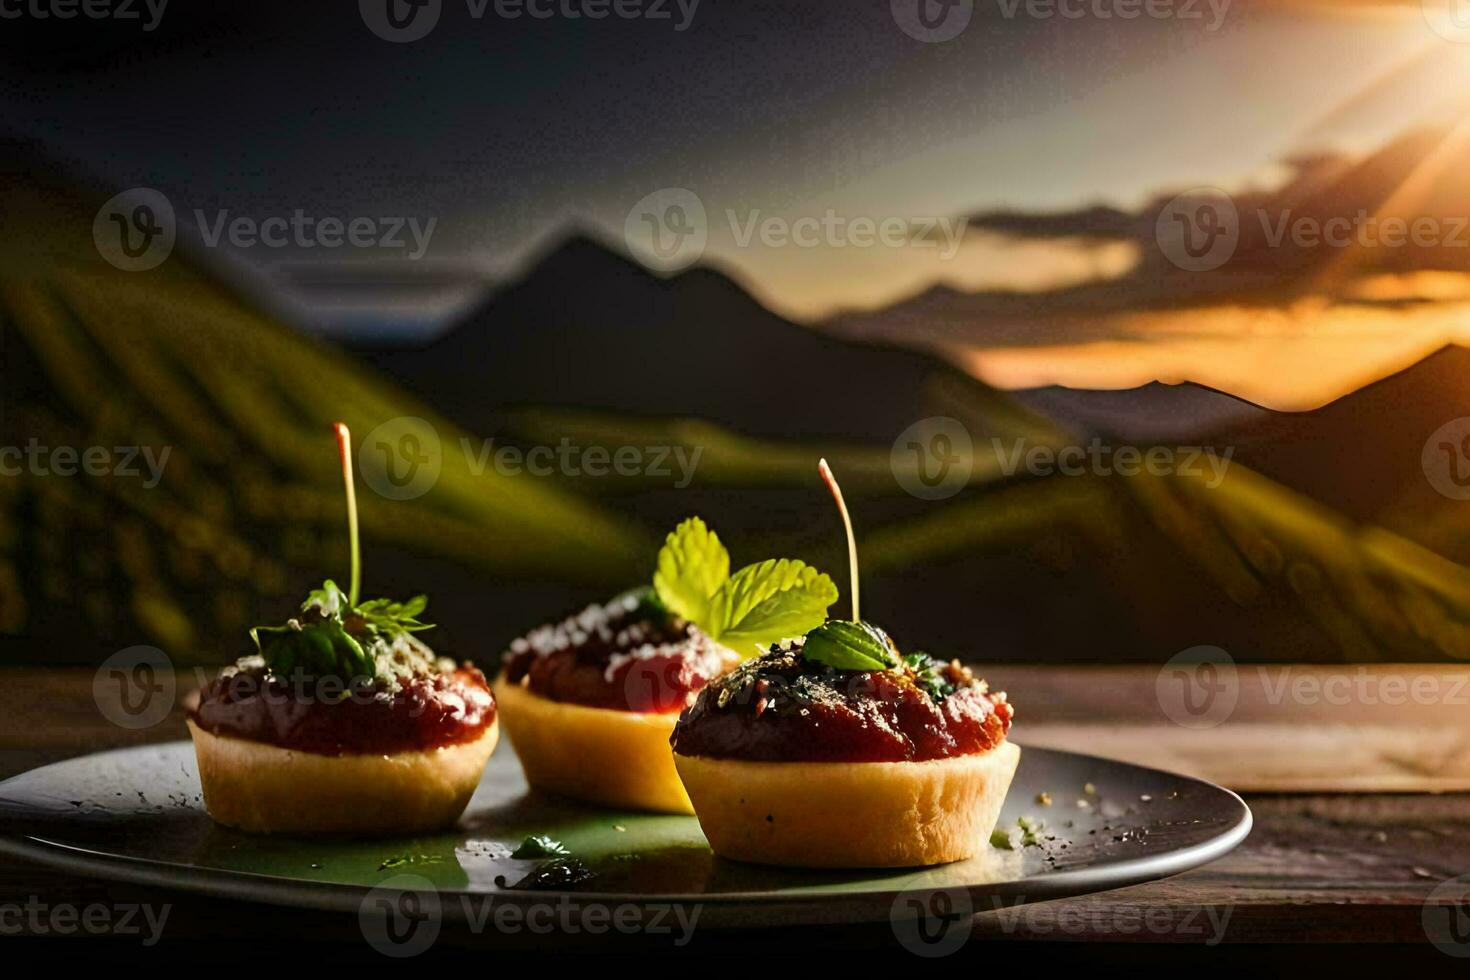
<point x="1074" y="568"/>
<point x="248" y="508"/>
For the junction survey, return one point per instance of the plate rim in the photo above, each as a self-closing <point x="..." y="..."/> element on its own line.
<point x="337" y="896"/>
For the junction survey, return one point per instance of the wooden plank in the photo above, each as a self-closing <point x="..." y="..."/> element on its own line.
<point x="1277" y="728"/>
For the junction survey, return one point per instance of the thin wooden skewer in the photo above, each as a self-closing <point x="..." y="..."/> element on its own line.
<point x="852" y="561"/>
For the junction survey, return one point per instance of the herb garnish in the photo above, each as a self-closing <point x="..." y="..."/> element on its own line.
<point x="403" y="860"/>
<point x="1031" y="830"/>
<point x="862" y="646"/>
<point x="759" y="605"/>
<point x="847" y="645"/>
<point x="928" y="674"/>
<point x="336" y="636"/>
<point x="540" y="846"/>
<point x="1027" y="833"/>
<point x="858" y="645"/>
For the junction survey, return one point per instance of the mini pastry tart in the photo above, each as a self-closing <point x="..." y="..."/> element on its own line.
<point x="792" y="761"/>
<point x="589" y="703"/>
<point x="275" y="758"/>
<point x="343" y="721"/>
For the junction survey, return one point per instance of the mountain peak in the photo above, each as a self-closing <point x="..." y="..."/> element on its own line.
<point x="581" y="252"/>
<point x="588" y="328"/>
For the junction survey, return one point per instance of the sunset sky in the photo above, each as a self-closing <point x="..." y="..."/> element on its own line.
<point x="777" y="112"/>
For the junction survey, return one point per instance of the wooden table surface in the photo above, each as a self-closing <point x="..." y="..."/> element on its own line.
<point x="1360" y="801"/>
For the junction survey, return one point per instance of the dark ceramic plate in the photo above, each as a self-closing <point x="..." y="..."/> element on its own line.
<point x="136" y="815"/>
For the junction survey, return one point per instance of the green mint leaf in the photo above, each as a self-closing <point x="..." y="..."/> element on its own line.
<point x="768" y="602"/>
<point x="850" y="646"/>
<point x="692" y="565"/>
<point x="763" y="603"/>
